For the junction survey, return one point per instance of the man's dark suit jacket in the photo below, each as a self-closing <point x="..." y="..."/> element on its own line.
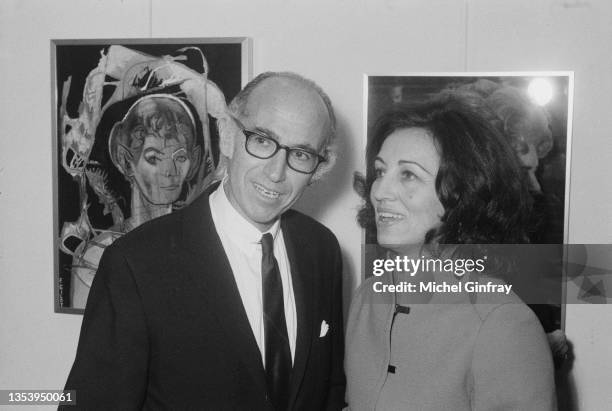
<point x="165" y="327"/>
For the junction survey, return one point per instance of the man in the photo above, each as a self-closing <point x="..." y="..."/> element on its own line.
<point x="233" y="302"/>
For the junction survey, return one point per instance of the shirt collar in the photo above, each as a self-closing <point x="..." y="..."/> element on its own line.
<point x="238" y="229"/>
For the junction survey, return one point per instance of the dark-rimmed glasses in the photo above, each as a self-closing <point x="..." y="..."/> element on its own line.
<point x="262" y="146"/>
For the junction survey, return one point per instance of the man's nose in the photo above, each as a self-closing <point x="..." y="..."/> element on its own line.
<point x="276" y="166"/>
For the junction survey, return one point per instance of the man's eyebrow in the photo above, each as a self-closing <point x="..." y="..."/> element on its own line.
<point x="306" y="147"/>
<point x="266" y="131"/>
<point x="275" y="136"/>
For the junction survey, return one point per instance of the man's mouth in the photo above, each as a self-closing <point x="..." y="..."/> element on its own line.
<point x="271" y="194"/>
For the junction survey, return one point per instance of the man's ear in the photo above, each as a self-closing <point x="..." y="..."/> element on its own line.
<point x="227" y="134"/>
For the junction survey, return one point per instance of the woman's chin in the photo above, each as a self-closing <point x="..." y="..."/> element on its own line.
<point x="399" y="245"/>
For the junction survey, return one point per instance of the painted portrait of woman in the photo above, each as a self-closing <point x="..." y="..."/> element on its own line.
<point x="155" y="149"/>
<point x="136" y="139"/>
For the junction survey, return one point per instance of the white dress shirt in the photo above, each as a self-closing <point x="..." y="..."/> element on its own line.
<point x="242" y="243"/>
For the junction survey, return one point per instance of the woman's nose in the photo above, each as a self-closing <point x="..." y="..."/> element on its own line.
<point x="170" y="168"/>
<point x="383" y="188"/>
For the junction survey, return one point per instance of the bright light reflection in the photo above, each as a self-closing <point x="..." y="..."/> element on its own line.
<point x="540" y="90"/>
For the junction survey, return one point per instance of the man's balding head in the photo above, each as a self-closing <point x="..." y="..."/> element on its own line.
<point x="279" y="84"/>
<point x="282" y="110"/>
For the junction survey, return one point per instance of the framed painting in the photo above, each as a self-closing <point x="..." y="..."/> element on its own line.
<point x="531" y="112"/>
<point x="134" y="137"/>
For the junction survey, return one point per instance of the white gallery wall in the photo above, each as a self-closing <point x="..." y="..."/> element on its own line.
<point x="333" y="42"/>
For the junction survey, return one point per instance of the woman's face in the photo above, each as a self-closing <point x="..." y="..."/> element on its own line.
<point x="528" y="155"/>
<point x="535" y="141"/>
<point x="161" y="169"/>
<point x="404" y="194"/>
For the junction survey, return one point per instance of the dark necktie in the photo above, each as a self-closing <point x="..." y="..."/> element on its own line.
<point x="278" y="354"/>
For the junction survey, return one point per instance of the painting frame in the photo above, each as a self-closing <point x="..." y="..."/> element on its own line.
<point x="411" y="87"/>
<point x="73" y="62"/>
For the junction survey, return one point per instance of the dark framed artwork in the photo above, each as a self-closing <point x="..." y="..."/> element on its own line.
<point x="533" y="112"/>
<point x="135" y="137"/>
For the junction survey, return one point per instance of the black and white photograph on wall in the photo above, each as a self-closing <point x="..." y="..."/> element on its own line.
<point x="135" y="138"/>
<point x="462" y="163"/>
<point x="531" y="109"/>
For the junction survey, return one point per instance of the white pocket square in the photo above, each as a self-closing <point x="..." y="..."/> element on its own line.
<point x="324" y="329"/>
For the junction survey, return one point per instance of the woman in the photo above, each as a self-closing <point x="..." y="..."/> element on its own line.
<point x="155" y="148"/>
<point x="439" y="176"/>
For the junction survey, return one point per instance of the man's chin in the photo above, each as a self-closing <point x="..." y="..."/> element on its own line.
<point x="263" y="219"/>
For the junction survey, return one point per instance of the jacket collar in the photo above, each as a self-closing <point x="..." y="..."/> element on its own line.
<point x="212" y="278"/>
<point x="212" y="275"/>
<point x="302" y="260"/>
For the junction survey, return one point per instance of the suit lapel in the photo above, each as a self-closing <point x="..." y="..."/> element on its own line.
<point x="300" y="260"/>
<point x="214" y="281"/>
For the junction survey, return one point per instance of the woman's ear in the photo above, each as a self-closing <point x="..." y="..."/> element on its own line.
<point x="121" y="156"/>
<point x="227" y="133"/>
<point x="124" y="160"/>
<point x="196" y="159"/>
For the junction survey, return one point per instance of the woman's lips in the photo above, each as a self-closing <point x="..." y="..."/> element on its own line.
<point x="384" y="216"/>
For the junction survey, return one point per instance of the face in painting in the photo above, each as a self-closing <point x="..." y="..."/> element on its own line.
<point x="295" y="116"/>
<point x="534" y="142"/>
<point x="161" y="169"/>
<point x="528" y="156"/>
<point x="403" y="194"/>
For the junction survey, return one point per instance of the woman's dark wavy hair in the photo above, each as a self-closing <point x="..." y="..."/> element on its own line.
<point x="480" y="182"/>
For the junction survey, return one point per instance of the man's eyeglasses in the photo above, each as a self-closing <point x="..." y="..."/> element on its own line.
<point x="262" y="146"/>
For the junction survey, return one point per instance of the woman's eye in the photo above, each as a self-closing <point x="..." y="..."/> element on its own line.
<point x="378" y="172"/>
<point x="408" y="175"/>
<point x="181" y="158"/>
<point x="153" y="160"/>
